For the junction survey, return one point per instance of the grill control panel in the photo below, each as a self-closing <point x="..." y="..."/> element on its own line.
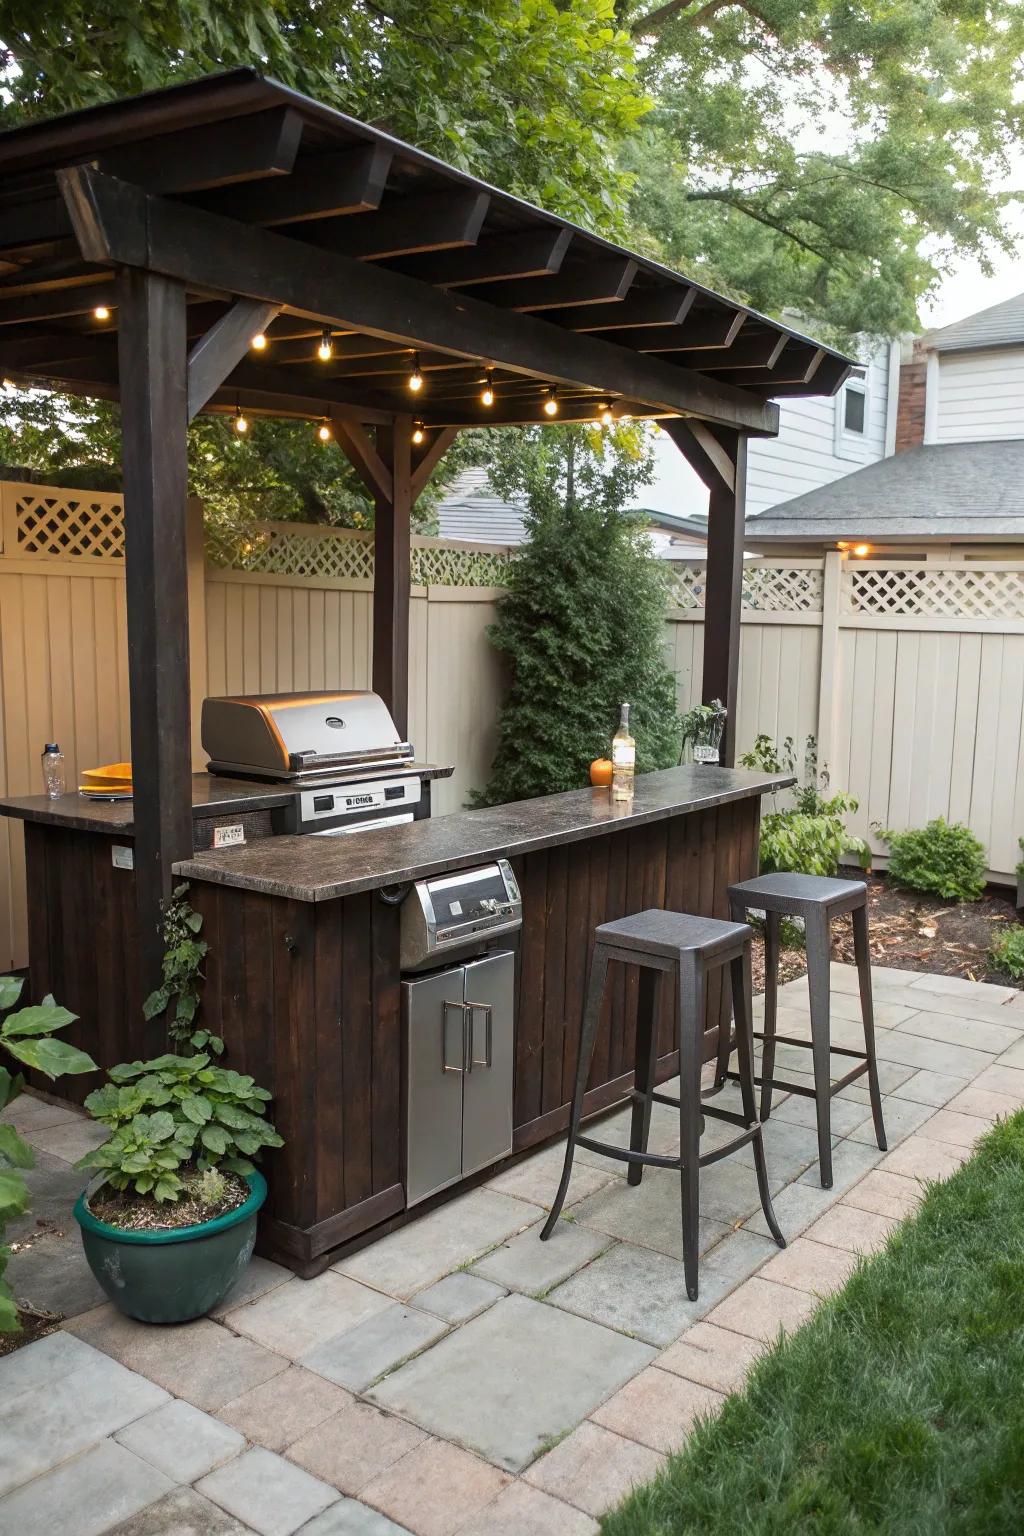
<point x="452" y="915"/>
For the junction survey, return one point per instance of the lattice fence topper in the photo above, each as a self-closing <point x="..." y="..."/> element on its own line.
<point x="347" y="554"/>
<point x="766" y="588"/>
<point x="68" y="523"/>
<point x="945" y="591"/>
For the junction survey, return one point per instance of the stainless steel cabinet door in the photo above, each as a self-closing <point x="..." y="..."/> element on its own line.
<point x="487" y="1086"/>
<point x="438" y="1047"/>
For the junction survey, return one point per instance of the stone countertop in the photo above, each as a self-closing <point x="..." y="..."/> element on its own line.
<point x="212" y="795"/>
<point x="326" y="868"/>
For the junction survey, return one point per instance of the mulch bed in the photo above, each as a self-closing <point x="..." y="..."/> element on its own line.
<point x="916" y="933"/>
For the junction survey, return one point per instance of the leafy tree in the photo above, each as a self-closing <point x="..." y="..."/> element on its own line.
<point x="827" y="157"/>
<point x="582" y="624"/>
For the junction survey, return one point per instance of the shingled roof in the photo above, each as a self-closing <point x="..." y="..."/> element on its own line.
<point x="942" y="491"/>
<point x="1001" y="325"/>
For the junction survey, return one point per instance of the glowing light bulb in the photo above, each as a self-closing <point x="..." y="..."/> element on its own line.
<point x="101" y="312"/>
<point x="323" y="432"/>
<point x="418" y="434"/>
<point x="551" y="403"/>
<point x="325" y="351"/>
<point x="259" y="342"/>
<point x="862" y="551"/>
<point x="604" y="414"/>
<point x="487" y="395"/>
<point x="241" y="425"/>
<point x="416" y="377"/>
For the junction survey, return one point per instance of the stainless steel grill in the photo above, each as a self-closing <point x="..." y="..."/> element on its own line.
<point x="340" y="752"/>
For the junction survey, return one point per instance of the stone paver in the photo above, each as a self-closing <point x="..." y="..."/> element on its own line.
<point x="916" y="1051"/>
<point x="356" y="1358"/>
<point x="258" y="1277"/>
<point x="292" y="1319"/>
<point x="947" y="1027"/>
<point x="552" y="1368"/>
<point x="30" y="1115"/>
<point x="451" y="1236"/>
<point x="52" y="1274"/>
<point x="657" y="1408"/>
<point x="537" y="1178"/>
<point x="1004" y="1079"/>
<point x="102" y="1487"/>
<point x="520" y="1510"/>
<point x="181" y="1513"/>
<point x="182" y="1442"/>
<point x="901" y="1117"/>
<point x="810" y="1266"/>
<point x="928" y="1087"/>
<point x="636" y="1290"/>
<point x="351" y="1518"/>
<point x="46" y="1360"/>
<point x="963" y="990"/>
<point x="281" y="1410"/>
<point x="713" y="1357"/>
<point x="646" y="1214"/>
<point x="846" y="1115"/>
<point x="760" y="1308"/>
<point x="458" y="1297"/>
<point x="886" y="1194"/>
<point x="436" y="1489"/>
<point x="594" y="1469"/>
<point x="70" y="1139"/>
<point x="201" y="1362"/>
<point x="921" y="1158"/>
<point x="955" y="1129"/>
<point x="526" y="1264"/>
<point x="354" y="1446"/>
<point x="857" y="1231"/>
<point x="1014" y="1057"/>
<point x="267" y="1493"/>
<point x="57" y="1418"/>
<point x="988" y="1106"/>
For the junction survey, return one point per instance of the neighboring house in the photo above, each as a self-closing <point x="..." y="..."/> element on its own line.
<point x="470" y="511"/>
<point x="956" y="480"/>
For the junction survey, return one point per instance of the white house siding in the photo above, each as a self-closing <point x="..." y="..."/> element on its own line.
<point x="980" y="396"/>
<point x="804" y="455"/>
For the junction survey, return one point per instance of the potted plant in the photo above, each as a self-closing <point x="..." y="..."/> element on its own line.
<point x="27" y="1036"/>
<point x="170" y="1222"/>
<point x="702" y="731"/>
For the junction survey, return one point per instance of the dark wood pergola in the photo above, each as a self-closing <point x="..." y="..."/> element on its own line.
<point x="146" y="242"/>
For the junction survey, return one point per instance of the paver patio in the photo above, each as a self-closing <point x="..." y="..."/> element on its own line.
<point x="457" y="1376"/>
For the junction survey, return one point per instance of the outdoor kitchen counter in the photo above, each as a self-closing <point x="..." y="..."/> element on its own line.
<point x="213" y="795"/>
<point x="328" y="868"/>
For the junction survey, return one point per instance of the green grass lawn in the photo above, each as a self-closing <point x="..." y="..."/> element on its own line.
<point x="899" y="1408"/>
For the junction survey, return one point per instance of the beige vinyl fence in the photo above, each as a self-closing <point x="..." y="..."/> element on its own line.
<point x="911" y="676"/>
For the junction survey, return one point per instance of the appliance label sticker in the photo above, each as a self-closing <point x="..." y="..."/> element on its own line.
<point x="229" y="837"/>
<point x="455" y="908"/>
<point x="122" y="857"/>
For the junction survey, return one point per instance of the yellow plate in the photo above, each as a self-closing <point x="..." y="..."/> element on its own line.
<point x="111" y="775"/>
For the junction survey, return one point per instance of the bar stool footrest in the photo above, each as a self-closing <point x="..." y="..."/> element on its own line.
<point x="801" y="1089"/>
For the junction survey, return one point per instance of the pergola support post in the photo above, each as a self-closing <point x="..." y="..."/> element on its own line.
<point x="719" y="456"/>
<point x="154" y="394"/>
<point x="392" y="579"/>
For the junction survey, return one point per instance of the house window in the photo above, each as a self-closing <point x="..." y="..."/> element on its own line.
<point x="854" y="401"/>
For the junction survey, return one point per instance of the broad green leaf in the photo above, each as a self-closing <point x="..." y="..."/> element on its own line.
<point x="14" y="1196"/>
<point x="15" y="1151"/>
<point x="214" y="1139"/>
<point x="10" y="991"/>
<point x="55" y="1058"/>
<point x="43" y="1019"/>
<point x="155" y="1003"/>
<point x="198" y="1108"/>
<point x="9" y="1320"/>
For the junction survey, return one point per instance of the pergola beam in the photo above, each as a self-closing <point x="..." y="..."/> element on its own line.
<point x="426" y="459"/>
<point x="351" y="181"/>
<point x="497" y="260"/>
<point x="120" y="224"/>
<point x="222" y="348"/>
<point x="263" y="144"/>
<point x="428" y="223"/>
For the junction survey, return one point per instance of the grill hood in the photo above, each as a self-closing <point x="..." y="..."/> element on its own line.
<point x="297" y="735"/>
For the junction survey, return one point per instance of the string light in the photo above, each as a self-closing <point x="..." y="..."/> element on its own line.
<point x="259" y="342"/>
<point x="325" y="351"/>
<point x="418" y="434"/>
<point x="323" y="431"/>
<point x="416" y="377"/>
<point x="240" y="424"/>
<point x="551" y="403"/>
<point x="487" y="396"/>
<point x="604" y="413"/>
<point x="862" y="551"/>
<point x="101" y="312"/>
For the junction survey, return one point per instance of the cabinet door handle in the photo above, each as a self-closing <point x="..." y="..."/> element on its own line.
<point x="488" y="1012"/>
<point x="445" y="1065"/>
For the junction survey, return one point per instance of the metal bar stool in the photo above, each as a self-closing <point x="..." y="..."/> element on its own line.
<point x="659" y="943"/>
<point x="817" y="900"/>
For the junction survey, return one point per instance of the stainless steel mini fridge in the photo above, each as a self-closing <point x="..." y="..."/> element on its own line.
<point x="459" y="1037"/>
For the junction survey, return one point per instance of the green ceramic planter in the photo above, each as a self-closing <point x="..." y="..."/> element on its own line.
<point x="170" y="1277"/>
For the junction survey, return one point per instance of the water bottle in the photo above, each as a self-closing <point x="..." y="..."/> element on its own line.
<point x="53" y="770"/>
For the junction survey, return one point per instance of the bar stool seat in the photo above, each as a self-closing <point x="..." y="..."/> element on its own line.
<point x="659" y="943"/>
<point x="816" y="900"/>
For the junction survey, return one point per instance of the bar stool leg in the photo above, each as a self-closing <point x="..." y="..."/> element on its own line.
<point x="742" y="1008"/>
<point x="862" y="955"/>
<point x="691" y="1025"/>
<point x="646" y="1056"/>
<point x="591" y="1019"/>
<point x="771" y="1005"/>
<point x="819" y="982"/>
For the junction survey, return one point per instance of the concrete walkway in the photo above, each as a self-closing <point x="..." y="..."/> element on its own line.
<point x="458" y="1376"/>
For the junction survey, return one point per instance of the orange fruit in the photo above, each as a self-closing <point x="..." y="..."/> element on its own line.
<point x="601" y="770"/>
